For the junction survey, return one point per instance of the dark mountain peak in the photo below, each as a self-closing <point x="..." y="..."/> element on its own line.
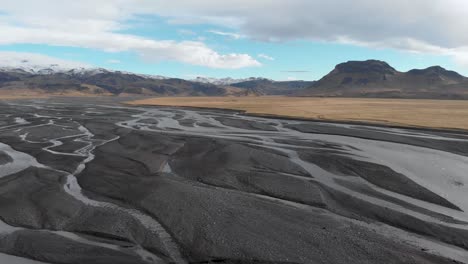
<point x="436" y="71"/>
<point x="436" y="68"/>
<point x="357" y="74"/>
<point x="375" y="78"/>
<point x="368" y="66"/>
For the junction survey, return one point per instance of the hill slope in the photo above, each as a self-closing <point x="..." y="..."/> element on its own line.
<point x="374" y="78"/>
<point x="104" y="82"/>
<point x="269" y="87"/>
<point x="101" y="82"/>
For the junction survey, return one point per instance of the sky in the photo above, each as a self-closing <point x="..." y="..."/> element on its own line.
<point x="276" y="39"/>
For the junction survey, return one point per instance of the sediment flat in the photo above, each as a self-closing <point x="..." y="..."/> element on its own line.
<point x="92" y="180"/>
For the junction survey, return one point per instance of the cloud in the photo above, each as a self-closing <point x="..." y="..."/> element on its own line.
<point x="458" y="54"/>
<point x="438" y="22"/>
<point x="190" y="52"/>
<point x="97" y="25"/>
<point x="424" y="26"/>
<point x="227" y="34"/>
<point x="461" y="57"/>
<point x="186" y="32"/>
<point x="113" y="61"/>
<point x="33" y="60"/>
<point x="435" y="26"/>
<point x="266" y="57"/>
<point x="296" y="71"/>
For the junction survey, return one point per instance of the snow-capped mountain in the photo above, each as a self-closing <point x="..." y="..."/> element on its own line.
<point x="225" y="81"/>
<point x="54" y="69"/>
<point x="34" y="73"/>
<point x="147" y="76"/>
<point x="44" y="65"/>
<point x="81" y="71"/>
<point x="36" y="64"/>
<point x="26" y="67"/>
<point x="95" y="71"/>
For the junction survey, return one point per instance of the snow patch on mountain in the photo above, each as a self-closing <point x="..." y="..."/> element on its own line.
<point x="33" y="63"/>
<point x="36" y="63"/>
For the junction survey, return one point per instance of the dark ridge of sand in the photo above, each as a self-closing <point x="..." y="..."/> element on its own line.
<point x="4" y="158"/>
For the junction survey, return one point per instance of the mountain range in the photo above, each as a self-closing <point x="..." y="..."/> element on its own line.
<point x="371" y="78"/>
<point x="100" y="82"/>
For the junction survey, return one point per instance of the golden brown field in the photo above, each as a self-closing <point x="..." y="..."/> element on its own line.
<point x="15" y="93"/>
<point x="8" y="94"/>
<point x="421" y="113"/>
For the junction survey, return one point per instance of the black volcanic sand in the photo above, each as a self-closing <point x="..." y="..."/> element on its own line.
<point x="246" y="124"/>
<point x="4" y="158"/>
<point x="153" y="191"/>
<point x="379" y="134"/>
<point x="54" y="248"/>
<point x="379" y="175"/>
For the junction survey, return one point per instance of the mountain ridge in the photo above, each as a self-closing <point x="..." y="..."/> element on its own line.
<point x="373" y="78"/>
<point x="370" y="78"/>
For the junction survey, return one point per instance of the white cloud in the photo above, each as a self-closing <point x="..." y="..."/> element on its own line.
<point x="113" y="61"/>
<point x="458" y="54"/>
<point x="433" y="21"/>
<point x="33" y="60"/>
<point x="186" y="32"/>
<point x="95" y="24"/>
<point x="461" y="57"/>
<point x="191" y="52"/>
<point x="425" y="26"/>
<point x="296" y="71"/>
<point x="227" y="34"/>
<point x="266" y="57"/>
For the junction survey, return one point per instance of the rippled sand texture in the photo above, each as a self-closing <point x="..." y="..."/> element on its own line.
<point x="93" y="181"/>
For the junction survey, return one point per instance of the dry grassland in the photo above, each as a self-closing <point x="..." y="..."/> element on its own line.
<point x="421" y="113"/>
